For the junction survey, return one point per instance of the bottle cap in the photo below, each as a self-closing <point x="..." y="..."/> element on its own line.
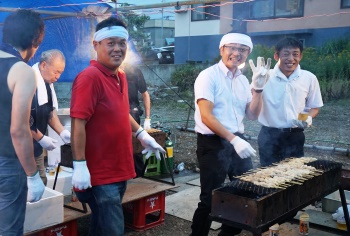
<point x="304" y="216"/>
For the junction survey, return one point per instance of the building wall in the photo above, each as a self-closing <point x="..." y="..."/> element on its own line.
<point x="226" y="23"/>
<point x="320" y="23"/>
<point x="318" y="14"/>
<point x="199" y="49"/>
<point x="185" y="27"/>
<point x="196" y="41"/>
<point x="311" y="38"/>
<point x="159" y="30"/>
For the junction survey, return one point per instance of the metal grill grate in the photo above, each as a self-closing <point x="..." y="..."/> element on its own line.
<point x="250" y="190"/>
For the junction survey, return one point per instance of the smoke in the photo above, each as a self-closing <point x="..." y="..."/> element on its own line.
<point x="132" y="55"/>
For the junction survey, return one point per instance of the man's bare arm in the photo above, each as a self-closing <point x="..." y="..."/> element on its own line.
<point x="22" y="84"/>
<point x="78" y="139"/>
<point x="147" y="104"/>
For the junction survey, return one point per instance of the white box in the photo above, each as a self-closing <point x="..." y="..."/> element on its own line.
<point x="63" y="183"/>
<point x="44" y="213"/>
<point x="332" y="202"/>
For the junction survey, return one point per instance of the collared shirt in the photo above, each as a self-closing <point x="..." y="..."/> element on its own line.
<point x="284" y="98"/>
<point x="102" y="100"/>
<point x="230" y="94"/>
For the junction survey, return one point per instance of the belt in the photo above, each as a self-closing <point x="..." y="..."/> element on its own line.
<point x="207" y="135"/>
<point x="214" y="135"/>
<point x="286" y="130"/>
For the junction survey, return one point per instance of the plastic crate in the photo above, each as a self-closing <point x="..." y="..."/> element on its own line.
<point x="145" y="213"/>
<point x="153" y="166"/>
<point x="65" y="229"/>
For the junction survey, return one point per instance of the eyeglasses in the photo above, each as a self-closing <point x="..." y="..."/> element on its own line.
<point x="240" y="50"/>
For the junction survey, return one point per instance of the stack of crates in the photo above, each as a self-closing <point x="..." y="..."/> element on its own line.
<point x="145" y="213"/>
<point x="153" y="166"/>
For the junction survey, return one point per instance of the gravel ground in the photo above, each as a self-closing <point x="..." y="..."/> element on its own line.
<point x="329" y="136"/>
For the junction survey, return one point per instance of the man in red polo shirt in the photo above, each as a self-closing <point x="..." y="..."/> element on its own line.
<point x="102" y="131"/>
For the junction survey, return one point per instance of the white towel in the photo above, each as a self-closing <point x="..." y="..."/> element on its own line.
<point x="41" y="88"/>
<point x="54" y="97"/>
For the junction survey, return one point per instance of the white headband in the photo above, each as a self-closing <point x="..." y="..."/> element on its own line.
<point x="111" y="31"/>
<point x="236" y="38"/>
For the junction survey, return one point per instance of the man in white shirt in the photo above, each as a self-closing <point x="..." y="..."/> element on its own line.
<point x="223" y="98"/>
<point x="288" y="92"/>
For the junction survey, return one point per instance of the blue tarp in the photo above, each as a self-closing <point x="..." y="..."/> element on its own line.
<point x="71" y="35"/>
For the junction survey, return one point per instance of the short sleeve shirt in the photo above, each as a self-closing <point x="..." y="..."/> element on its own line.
<point x="284" y="98"/>
<point x="103" y="102"/>
<point x="229" y="93"/>
<point x="136" y="84"/>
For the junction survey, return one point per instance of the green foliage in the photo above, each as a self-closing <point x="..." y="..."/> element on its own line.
<point x="258" y="51"/>
<point x="331" y="64"/>
<point x="135" y="24"/>
<point x="185" y="76"/>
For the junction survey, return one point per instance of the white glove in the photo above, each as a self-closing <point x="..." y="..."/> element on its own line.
<point x="36" y="188"/>
<point x="65" y="136"/>
<point x="243" y="148"/>
<point x="260" y="72"/>
<point x="147" y="123"/>
<point x="149" y="144"/>
<point x="302" y="124"/>
<point x="47" y="143"/>
<point x="81" y="175"/>
<point x="308" y="121"/>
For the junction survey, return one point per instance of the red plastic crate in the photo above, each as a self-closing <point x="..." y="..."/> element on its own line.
<point x="65" y="229"/>
<point x="145" y="213"/>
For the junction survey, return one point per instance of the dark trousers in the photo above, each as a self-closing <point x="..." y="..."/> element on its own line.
<point x="278" y="144"/>
<point x="138" y="157"/>
<point x="217" y="159"/>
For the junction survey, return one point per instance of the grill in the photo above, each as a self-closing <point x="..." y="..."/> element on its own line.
<point x="255" y="208"/>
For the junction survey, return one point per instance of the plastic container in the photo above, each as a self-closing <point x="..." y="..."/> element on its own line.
<point x="153" y="167"/>
<point x="341" y="224"/>
<point x="304" y="224"/>
<point x="274" y="230"/>
<point x="304" y="114"/>
<point x="167" y="165"/>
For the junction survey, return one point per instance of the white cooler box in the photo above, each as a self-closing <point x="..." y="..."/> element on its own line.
<point x="44" y="213"/>
<point x="64" y="181"/>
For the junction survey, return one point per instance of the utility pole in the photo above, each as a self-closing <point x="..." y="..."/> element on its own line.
<point x="162" y="26"/>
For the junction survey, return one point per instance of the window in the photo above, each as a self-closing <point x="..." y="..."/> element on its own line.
<point x="207" y="11"/>
<point x="261" y="9"/>
<point x="345" y="3"/>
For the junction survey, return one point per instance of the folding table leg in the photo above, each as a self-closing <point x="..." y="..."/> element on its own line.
<point x="345" y="207"/>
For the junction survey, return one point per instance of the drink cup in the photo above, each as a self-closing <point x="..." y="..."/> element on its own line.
<point x="274" y="230"/>
<point x="303" y="116"/>
<point x="52" y="171"/>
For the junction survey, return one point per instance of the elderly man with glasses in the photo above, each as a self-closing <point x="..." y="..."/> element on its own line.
<point x="45" y="106"/>
<point x="223" y="97"/>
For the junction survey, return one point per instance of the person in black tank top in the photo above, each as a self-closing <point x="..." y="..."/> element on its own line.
<point x="23" y="32"/>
